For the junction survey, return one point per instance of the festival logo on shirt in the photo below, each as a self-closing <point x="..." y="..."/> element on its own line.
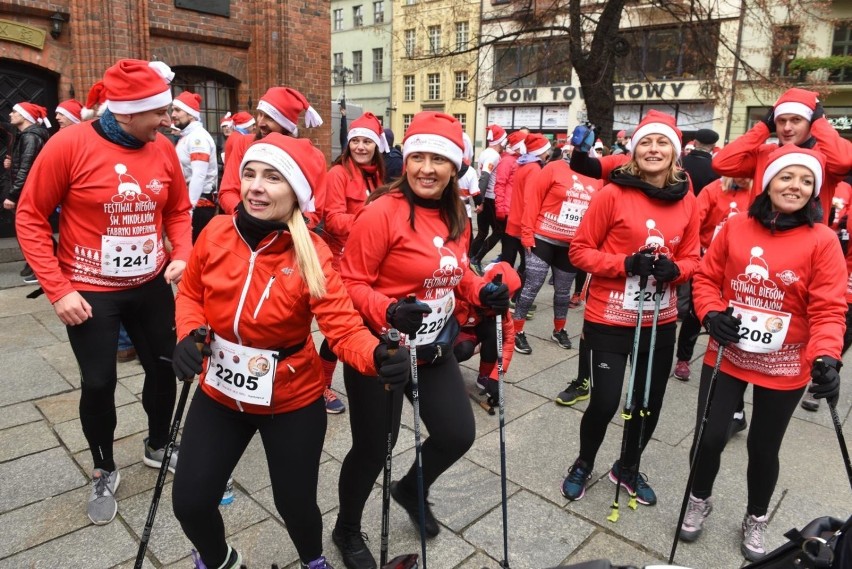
<point x="447" y="275"/>
<point x="754" y="287"/>
<point x="128" y="188"/>
<point x="656" y="241"/>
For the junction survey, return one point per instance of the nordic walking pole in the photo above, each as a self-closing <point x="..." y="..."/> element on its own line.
<point x="418" y="451"/>
<point x="832" y="408"/>
<point x="627" y="412"/>
<point x="644" y="411"/>
<point x="697" y="451"/>
<point x="200" y="336"/>
<point x="393" y="345"/>
<point x="498" y="280"/>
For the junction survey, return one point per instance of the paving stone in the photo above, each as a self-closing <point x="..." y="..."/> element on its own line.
<point x="13" y="301"/>
<point x="25" y="376"/>
<point x="52" y="323"/>
<point x="22" y="332"/>
<point x="540" y="533"/>
<point x="25" y="439"/>
<point x="18" y="476"/>
<point x="61" y="358"/>
<point x="93" y="547"/>
<point x="18" y="414"/>
<point x="40" y="522"/>
<point x="252" y="472"/>
<point x="131" y="419"/>
<point x="602" y="545"/>
<point x="66" y="406"/>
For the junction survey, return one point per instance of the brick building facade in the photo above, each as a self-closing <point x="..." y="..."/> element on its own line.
<point x="229" y="59"/>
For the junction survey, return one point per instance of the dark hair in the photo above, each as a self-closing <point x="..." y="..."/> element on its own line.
<point x="345" y="160"/>
<point x="761" y="210"/>
<point x="452" y="209"/>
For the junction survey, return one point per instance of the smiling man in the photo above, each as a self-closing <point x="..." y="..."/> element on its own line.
<point x="121" y="190"/>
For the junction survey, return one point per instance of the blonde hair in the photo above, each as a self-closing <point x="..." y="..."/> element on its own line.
<point x="674" y="176"/>
<point x="728" y="182"/>
<point x="306" y="254"/>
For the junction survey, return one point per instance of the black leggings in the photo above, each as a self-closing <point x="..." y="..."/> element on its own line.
<point x="485" y="221"/>
<point x="446" y="413"/>
<point x="607" y="379"/>
<point x="510" y="250"/>
<point x="214" y="439"/>
<point x="540" y="259"/>
<point x="770" y="417"/>
<point x="148" y="315"/>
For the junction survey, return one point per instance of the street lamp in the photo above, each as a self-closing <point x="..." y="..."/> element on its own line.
<point x="340" y="75"/>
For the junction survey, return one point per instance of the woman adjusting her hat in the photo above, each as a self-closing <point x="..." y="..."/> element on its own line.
<point x="771" y="290"/>
<point x="411" y="240"/>
<point x="257" y="280"/>
<point x="640" y="228"/>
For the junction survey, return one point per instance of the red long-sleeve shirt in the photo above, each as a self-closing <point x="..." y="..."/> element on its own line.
<point x="115" y="202"/>
<point x="800" y="272"/>
<point x="345" y="195"/>
<point x="504" y="184"/>
<point x="715" y="206"/>
<point x="229" y="188"/>
<point x="615" y="226"/>
<point x="558" y="198"/>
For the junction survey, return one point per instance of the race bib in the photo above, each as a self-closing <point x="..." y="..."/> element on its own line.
<point x="442" y="311"/>
<point x="572" y="213"/>
<point x="632" y="293"/>
<point x="242" y="373"/>
<point x="761" y="330"/>
<point x="128" y="256"/>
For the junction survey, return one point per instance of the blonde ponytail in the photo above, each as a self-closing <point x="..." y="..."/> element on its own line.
<point x="306" y="255"/>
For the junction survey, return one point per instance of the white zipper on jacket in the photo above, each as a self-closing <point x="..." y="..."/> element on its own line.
<point x="264" y="296"/>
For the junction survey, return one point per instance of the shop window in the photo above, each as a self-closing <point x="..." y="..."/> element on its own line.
<point x="528" y="65"/>
<point x="218" y="92"/>
<point x="671" y="52"/>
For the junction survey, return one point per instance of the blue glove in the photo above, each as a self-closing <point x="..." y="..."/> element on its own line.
<point x="583" y="138"/>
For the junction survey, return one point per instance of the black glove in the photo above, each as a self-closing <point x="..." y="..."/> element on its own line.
<point x="769" y="119"/>
<point x="665" y="270"/>
<point x="639" y="264"/>
<point x="723" y="327"/>
<point x="826" y="379"/>
<point x="842" y="224"/>
<point x="394" y="369"/>
<point x="495" y="296"/>
<point x="187" y="358"/>
<point x="583" y="138"/>
<point x="818" y="112"/>
<point x="407" y="317"/>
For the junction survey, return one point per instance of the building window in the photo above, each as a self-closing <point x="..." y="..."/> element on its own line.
<point x="218" y="92"/>
<point x="410" y="42"/>
<point x="378" y="64"/>
<point x="540" y="63"/>
<point x="462" y="35"/>
<point x="433" y="81"/>
<point x="406" y="121"/>
<point x="379" y="12"/>
<point x="410" y="2"/>
<point x="785" y="44"/>
<point x="338" y="19"/>
<point x="408" y="88"/>
<point x="357" y="16"/>
<point x="337" y="60"/>
<point x="842" y="45"/>
<point x="462" y="118"/>
<point x="461" y="85"/>
<point x="357" y="66"/>
<point x="434" y="40"/>
<point x="673" y="52"/>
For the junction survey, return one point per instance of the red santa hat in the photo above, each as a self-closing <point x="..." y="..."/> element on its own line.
<point x="243" y="120"/>
<point x="36" y="114"/>
<point x="284" y="104"/>
<point x="437" y="133"/>
<point x="536" y="144"/>
<point x="189" y="103"/>
<point x="510" y="275"/>
<point x="71" y="109"/>
<point x="515" y="142"/>
<point x="796" y="101"/>
<point x="227" y="121"/>
<point x="368" y="126"/>
<point x="494" y="134"/>
<point x="95" y="98"/>
<point x="792" y="155"/>
<point x="136" y="86"/>
<point x="468" y="149"/>
<point x="656" y="122"/>
<point x="297" y="159"/>
<point x="621" y="134"/>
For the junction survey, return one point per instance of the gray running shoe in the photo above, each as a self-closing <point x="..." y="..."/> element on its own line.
<point x="154" y="457"/>
<point x="753" y="546"/>
<point x="102" y="506"/>
<point x="696" y="513"/>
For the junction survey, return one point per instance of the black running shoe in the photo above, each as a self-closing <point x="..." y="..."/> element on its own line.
<point x="577" y="390"/>
<point x="561" y="338"/>
<point x="353" y="548"/>
<point x="521" y="344"/>
<point x="411" y="505"/>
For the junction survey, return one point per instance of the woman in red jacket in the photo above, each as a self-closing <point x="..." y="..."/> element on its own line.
<point x="411" y="240"/>
<point x="642" y="224"/>
<point x="356" y="173"/>
<point x="257" y="279"/>
<point x="783" y="274"/>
